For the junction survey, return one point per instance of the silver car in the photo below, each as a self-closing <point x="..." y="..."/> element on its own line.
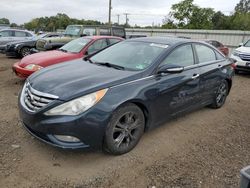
<point x="12" y="35"/>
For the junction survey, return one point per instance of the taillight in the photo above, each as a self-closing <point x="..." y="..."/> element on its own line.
<point x="233" y="65"/>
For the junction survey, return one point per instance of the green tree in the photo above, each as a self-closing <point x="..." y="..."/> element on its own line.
<point x="243" y="6"/>
<point x="190" y="16"/>
<point x="4" y="21"/>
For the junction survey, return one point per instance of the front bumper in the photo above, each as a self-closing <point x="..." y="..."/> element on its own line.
<point x="11" y="54"/>
<point x="2" y="48"/>
<point x="241" y="65"/>
<point x="21" y="72"/>
<point x="88" y="127"/>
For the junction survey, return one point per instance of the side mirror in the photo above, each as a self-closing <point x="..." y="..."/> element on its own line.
<point x="241" y="44"/>
<point x="170" y="69"/>
<point x="86" y="53"/>
<point x="245" y="177"/>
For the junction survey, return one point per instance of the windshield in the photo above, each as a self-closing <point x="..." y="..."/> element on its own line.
<point x="75" y="46"/>
<point x="73" y="30"/>
<point x="247" y="44"/>
<point x="130" y="55"/>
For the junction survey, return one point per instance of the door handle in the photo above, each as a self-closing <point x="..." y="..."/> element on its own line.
<point x="219" y="66"/>
<point x="195" y="76"/>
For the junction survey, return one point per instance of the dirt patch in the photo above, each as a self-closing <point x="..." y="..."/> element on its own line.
<point x="206" y="148"/>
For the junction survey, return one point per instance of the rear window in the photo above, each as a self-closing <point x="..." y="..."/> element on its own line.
<point x="118" y="32"/>
<point x="204" y="53"/>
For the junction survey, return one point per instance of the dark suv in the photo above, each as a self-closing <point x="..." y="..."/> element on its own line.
<point x="76" y="31"/>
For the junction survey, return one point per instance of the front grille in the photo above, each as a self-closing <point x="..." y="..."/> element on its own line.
<point x="40" y="44"/>
<point x="35" y="100"/>
<point x="245" y="57"/>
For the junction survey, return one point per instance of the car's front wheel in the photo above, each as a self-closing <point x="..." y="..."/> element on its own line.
<point x="221" y="95"/>
<point x="124" y="129"/>
<point x="24" y="51"/>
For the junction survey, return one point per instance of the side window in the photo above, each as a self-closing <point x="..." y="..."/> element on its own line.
<point x="204" y="53"/>
<point x="89" y="31"/>
<point x="6" y="33"/>
<point x="182" y="56"/>
<point x="113" y="41"/>
<point x="97" y="45"/>
<point x="219" y="56"/>
<point x="118" y="32"/>
<point x="104" y="31"/>
<point x="28" y="34"/>
<point x="20" y="34"/>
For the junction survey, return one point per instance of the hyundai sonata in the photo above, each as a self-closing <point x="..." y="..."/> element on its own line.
<point x="108" y="100"/>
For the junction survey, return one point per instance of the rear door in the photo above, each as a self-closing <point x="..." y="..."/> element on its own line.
<point x="20" y="36"/>
<point x="177" y="92"/>
<point x="6" y="37"/>
<point x="211" y="64"/>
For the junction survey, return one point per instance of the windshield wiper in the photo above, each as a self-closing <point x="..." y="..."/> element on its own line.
<point x="107" y="64"/>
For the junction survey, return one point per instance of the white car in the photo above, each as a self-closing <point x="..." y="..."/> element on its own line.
<point x="242" y="57"/>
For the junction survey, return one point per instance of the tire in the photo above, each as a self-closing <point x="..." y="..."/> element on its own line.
<point x="24" y="51"/>
<point x="124" y="130"/>
<point x="220" y="95"/>
<point x="236" y="71"/>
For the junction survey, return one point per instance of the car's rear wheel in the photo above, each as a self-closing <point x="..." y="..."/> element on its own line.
<point x="124" y="129"/>
<point x="24" y="51"/>
<point x="221" y="95"/>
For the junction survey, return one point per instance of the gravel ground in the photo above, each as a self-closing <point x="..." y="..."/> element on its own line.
<point x="206" y="148"/>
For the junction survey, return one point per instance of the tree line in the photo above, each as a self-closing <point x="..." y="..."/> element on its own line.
<point x="187" y="15"/>
<point x="183" y="15"/>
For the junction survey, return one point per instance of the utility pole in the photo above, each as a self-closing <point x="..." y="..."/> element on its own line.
<point x="126" y="14"/>
<point x="110" y="7"/>
<point x="118" y="19"/>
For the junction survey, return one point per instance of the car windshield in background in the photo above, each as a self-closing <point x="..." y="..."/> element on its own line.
<point x="75" y="46"/>
<point x="247" y="44"/>
<point x="130" y="55"/>
<point x="73" y="30"/>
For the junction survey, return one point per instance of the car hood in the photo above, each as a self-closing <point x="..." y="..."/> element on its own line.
<point x="58" y="39"/>
<point x="47" y="58"/>
<point x="243" y="49"/>
<point x="77" y="78"/>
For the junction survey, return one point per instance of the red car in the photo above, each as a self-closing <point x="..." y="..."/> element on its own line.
<point x="70" y="51"/>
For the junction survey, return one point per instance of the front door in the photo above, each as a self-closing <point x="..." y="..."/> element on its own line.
<point x="177" y="92"/>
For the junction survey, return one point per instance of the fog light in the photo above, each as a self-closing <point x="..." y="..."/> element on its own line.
<point x="66" y="138"/>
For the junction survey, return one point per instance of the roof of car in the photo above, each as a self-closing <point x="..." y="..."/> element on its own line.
<point x="162" y="40"/>
<point x="101" y="37"/>
<point x="22" y="30"/>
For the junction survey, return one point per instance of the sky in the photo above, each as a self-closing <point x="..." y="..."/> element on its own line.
<point x="141" y="12"/>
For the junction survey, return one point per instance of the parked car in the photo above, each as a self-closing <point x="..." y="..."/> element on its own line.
<point x="11" y="35"/>
<point x="107" y="100"/>
<point x="72" y="50"/>
<point x="219" y="46"/>
<point x="242" y="57"/>
<point x="75" y="31"/>
<point x="22" y="48"/>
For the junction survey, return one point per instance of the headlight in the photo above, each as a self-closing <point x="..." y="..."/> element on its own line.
<point x="236" y="53"/>
<point x="33" y="67"/>
<point x="77" y="106"/>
